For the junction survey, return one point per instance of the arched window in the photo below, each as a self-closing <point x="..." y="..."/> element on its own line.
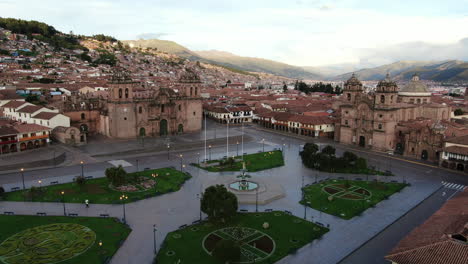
<point x="196" y="90"/>
<point x="83" y="116"/>
<point x="120" y="93"/>
<point x="419" y="101"/>
<point x="126" y="93"/>
<point x="382" y="99"/>
<point x="162" y="108"/>
<point x="380" y="126"/>
<point x="140" y="109"/>
<point x="349" y="96"/>
<point x="391" y="99"/>
<point x="191" y="91"/>
<point x="180" y="106"/>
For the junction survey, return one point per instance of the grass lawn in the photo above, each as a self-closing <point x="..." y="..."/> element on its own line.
<point x="289" y="233"/>
<point x="348" y="200"/>
<point x="253" y="162"/>
<point x="97" y="191"/>
<point x="108" y="230"/>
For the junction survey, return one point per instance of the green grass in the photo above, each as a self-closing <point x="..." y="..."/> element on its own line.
<point x="317" y="198"/>
<point x="108" y="230"/>
<point x="253" y="162"/>
<point x="97" y="191"/>
<point x="188" y="248"/>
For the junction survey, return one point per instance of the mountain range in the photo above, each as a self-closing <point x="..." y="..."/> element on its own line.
<point x="442" y="71"/>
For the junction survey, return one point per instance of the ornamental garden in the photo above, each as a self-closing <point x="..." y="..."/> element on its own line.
<point x="229" y="236"/>
<point x="347" y="199"/>
<point x="54" y="239"/>
<point x="253" y="162"/>
<point x="137" y="186"/>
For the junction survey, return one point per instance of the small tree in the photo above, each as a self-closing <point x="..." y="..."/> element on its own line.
<point x="226" y="251"/>
<point x="218" y="203"/>
<point x="458" y="112"/>
<point x="361" y="164"/>
<point x="329" y="150"/>
<point x="116" y="175"/>
<point x="81" y="181"/>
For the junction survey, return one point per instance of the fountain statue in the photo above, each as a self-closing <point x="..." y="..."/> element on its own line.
<point x="243" y="184"/>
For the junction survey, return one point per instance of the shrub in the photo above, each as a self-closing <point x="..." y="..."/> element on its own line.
<point x="116" y="175"/>
<point x="81" y="181"/>
<point x="226" y="251"/>
<point x="218" y="203"/>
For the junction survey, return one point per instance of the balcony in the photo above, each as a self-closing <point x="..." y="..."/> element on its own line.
<point x="8" y="142"/>
<point x="33" y="138"/>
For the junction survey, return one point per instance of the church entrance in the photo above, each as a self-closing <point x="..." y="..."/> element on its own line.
<point x="142" y="132"/>
<point x="399" y="149"/>
<point x="163" y="127"/>
<point x="180" y="129"/>
<point x="362" y="141"/>
<point x="424" y="155"/>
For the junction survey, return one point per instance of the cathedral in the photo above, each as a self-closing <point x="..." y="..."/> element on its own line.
<point x="136" y="112"/>
<point x="381" y="120"/>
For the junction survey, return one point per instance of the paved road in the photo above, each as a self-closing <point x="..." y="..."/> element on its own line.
<point x="377" y="248"/>
<point x="172" y="210"/>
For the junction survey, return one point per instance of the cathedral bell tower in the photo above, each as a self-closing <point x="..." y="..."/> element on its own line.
<point x="386" y="92"/>
<point x="352" y="89"/>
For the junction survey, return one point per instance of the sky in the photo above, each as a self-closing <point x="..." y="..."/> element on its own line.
<point x="297" y="32"/>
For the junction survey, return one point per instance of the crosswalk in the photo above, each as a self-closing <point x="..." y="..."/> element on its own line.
<point x="454" y="186"/>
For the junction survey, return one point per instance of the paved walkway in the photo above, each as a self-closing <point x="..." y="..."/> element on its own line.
<point x="169" y="211"/>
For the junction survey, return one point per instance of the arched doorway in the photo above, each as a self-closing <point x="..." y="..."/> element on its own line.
<point x="37" y="144"/>
<point x="43" y="142"/>
<point x="142" y="132"/>
<point x="13" y="148"/>
<point x="424" y="155"/>
<point x="5" y="149"/>
<point x="399" y="149"/>
<point x="30" y="145"/>
<point x="163" y="127"/>
<point x="84" y="128"/>
<point x="23" y="146"/>
<point x="180" y="129"/>
<point x="460" y="167"/>
<point x="362" y="141"/>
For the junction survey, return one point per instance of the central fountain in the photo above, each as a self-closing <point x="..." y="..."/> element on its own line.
<point x="243" y="184"/>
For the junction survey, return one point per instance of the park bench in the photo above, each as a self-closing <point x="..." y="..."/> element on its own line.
<point x="8" y="213"/>
<point x="104" y="215"/>
<point x="41" y="214"/>
<point x="15" y="189"/>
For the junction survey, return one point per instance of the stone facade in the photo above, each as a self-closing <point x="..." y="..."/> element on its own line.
<point x="371" y="120"/>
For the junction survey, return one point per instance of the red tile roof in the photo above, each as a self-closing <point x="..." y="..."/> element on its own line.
<point x="14" y="104"/>
<point x="26" y="128"/>
<point x="45" y="115"/>
<point x="30" y="109"/>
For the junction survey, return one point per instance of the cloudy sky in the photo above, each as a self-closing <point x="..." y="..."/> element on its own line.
<point x="299" y="32"/>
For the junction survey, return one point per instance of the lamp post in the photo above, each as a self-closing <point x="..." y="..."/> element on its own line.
<point x="199" y="198"/>
<point x="154" y="238"/>
<point x="40" y="183"/>
<point x="209" y="152"/>
<point x="242" y="139"/>
<point x="263" y="144"/>
<point x="256" y="200"/>
<point x="303" y="198"/>
<point x="137" y="165"/>
<point x="183" y="167"/>
<point x="22" y="177"/>
<point x="82" y="169"/>
<point x="168" y="148"/>
<point x="181" y="161"/>
<point x="198" y="157"/>
<point x="123" y="198"/>
<point x="237" y="149"/>
<point x="63" y="202"/>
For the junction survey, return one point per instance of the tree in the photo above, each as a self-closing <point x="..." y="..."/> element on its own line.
<point x="226" y="251"/>
<point x="458" y="112"/>
<point x="116" y="175"/>
<point x="81" y="181"/>
<point x="349" y="158"/>
<point x="218" y="203"/>
<point x="311" y="148"/>
<point x="361" y="164"/>
<point x="329" y="150"/>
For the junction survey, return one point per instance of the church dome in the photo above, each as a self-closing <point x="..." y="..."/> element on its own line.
<point x="415" y="88"/>
<point x="386" y="85"/>
<point x="353" y="81"/>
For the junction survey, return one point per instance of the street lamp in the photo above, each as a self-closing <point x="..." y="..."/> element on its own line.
<point x="303" y="198"/>
<point x="183" y="167"/>
<point x="199" y="197"/>
<point x="168" y="148"/>
<point x="123" y="198"/>
<point x="82" y="170"/>
<point x="263" y="144"/>
<point x="100" y="243"/>
<point x="137" y="165"/>
<point x="39" y="181"/>
<point x="198" y="157"/>
<point x="63" y="202"/>
<point x="181" y="161"/>
<point x="237" y="149"/>
<point x="154" y="238"/>
<point x="209" y="152"/>
<point x="22" y="177"/>
<point x="256" y="200"/>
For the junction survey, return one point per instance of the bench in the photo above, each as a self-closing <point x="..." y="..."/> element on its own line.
<point x="268" y="210"/>
<point x="318" y="223"/>
<point x="244" y="210"/>
<point x="15" y="189"/>
<point x="196" y="222"/>
<point x="104" y="215"/>
<point x="288" y="212"/>
<point x="89" y="177"/>
<point x="72" y="214"/>
<point x="146" y="169"/>
<point x="54" y="182"/>
<point x="41" y="214"/>
<point x="358" y="179"/>
<point x="8" y="213"/>
<point x="182" y="226"/>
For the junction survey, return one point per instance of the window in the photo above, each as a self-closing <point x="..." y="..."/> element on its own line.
<point x="196" y="90"/>
<point x="125" y="118"/>
<point x="346" y="112"/>
<point x="346" y="122"/>
<point x="180" y="107"/>
<point x="419" y="101"/>
<point x="382" y="99"/>
<point x="194" y="113"/>
<point x="140" y="109"/>
<point x="126" y="93"/>
<point x="380" y="116"/>
<point x="162" y="108"/>
<point x="191" y="91"/>
<point x="120" y="93"/>
<point x="380" y="126"/>
<point x="349" y="96"/>
<point x="25" y="135"/>
<point x="33" y="134"/>
<point x="44" y="133"/>
<point x="83" y="116"/>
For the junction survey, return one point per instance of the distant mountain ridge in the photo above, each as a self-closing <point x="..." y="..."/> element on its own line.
<point x="227" y="59"/>
<point x="441" y="71"/>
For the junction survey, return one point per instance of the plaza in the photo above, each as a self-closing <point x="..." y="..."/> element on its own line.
<point x="153" y="218"/>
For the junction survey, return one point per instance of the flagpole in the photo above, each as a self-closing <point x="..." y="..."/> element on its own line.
<point x="227" y="139"/>
<point x="242" y="136"/>
<point x="204" y="114"/>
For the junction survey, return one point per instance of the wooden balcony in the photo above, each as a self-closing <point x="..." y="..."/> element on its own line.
<point x="33" y="138"/>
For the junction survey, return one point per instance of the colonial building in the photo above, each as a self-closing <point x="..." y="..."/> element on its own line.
<point x="229" y="113"/>
<point x="134" y="112"/>
<point x="375" y="120"/>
